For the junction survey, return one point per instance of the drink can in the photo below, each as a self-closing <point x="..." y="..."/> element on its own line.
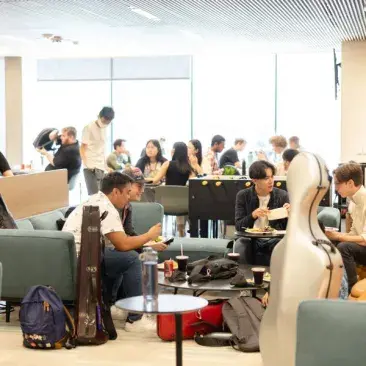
<point x="168" y="268"/>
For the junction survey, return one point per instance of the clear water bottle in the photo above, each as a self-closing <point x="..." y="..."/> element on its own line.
<point x="150" y="284"/>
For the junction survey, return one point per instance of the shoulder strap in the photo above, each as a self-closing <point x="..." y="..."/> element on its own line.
<point x="242" y="322"/>
<point x="71" y="341"/>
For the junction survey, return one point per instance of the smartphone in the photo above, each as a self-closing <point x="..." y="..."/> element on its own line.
<point x="168" y="241"/>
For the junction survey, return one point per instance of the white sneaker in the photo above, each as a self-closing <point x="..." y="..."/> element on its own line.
<point x="146" y="324"/>
<point x="118" y="314"/>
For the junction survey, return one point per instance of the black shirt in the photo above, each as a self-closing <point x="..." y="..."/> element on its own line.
<point x="4" y="165"/>
<point x="67" y="157"/>
<point x="229" y="157"/>
<point x="174" y="177"/>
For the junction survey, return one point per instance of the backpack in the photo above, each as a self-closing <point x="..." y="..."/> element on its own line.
<point x="211" y="268"/>
<point x="43" y="320"/>
<point x="242" y="317"/>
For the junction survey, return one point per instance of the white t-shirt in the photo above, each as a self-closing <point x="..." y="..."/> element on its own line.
<point x="261" y="222"/>
<point x="112" y="222"/>
<point x="94" y="137"/>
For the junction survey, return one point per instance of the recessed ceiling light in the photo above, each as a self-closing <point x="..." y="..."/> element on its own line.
<point x="144" y="13"/>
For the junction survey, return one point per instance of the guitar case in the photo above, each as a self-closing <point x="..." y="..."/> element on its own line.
<point x="304" y="265"/>
<point x="43" y="139"/>
<point x="6" y="219"/>
<point x="94" y="324"/>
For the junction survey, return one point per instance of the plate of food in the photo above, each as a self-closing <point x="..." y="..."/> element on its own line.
<point x="261" y="231"/>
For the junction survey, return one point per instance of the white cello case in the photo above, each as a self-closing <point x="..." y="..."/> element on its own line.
<point x="300" y="269"/>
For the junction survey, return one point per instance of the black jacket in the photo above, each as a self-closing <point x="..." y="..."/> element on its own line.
<point x="247" y="201"/>
<point x="67" y="157"/>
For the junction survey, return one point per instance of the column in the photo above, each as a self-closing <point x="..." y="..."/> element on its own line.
<point x="353" y="97"/>
<point x="14" y="110"/>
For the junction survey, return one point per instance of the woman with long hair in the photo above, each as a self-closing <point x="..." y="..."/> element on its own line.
<point x="195" y="156"/>
<point x="152" y="160"/>
<point x="176" y="173"/>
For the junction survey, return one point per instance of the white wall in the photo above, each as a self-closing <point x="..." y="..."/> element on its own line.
<point x="353" y="94"/>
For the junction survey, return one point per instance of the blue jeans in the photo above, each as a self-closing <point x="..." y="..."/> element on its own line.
<point x="123" y="269"/>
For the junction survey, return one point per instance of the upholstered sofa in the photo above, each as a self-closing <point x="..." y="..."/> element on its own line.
<point x="37" y="253"/>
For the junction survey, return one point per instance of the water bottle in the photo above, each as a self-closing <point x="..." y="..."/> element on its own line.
<point x="150" y="283"/>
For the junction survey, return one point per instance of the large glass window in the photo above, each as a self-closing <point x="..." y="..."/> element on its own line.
<point x="151" y="109"/>
<point x="306" y="103"/>
<point x="64" y="103"/>
<point x="234" y="96"/>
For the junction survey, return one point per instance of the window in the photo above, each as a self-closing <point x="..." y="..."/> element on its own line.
<point x="306" y="103"/>
<point x="234" y="96"/>
<point x="151" y="109"/>
<point x="64" y="103"/>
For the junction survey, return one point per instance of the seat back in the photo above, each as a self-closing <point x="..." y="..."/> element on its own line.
<point x="174" y="199"/>
<point x="330" y="333"/>
<point x="145" y="215"/>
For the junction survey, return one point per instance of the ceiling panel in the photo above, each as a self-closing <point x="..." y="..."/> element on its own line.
<point x="313" y="23"/>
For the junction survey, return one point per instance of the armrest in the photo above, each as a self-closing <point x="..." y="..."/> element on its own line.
<point x="37" y="257"/>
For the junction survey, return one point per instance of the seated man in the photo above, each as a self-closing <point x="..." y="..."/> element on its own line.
<point x="348" y="180"/>
<point x="67" y="156"/>
<point x="230" y="156"/>
<point x="254" y="204"/>
<point x="137" y="189"/>
<point x="120" y="257"/>
<point x="119" y="157"/>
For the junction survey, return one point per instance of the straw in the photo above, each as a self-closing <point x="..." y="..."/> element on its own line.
<point x="181" y="248"/>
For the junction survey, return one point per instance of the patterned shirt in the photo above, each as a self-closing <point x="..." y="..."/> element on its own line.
<point x="110" y="224"/>
<point x="210" y="163"/>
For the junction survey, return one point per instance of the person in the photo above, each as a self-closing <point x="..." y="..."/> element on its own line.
<point x="254" y="204"/>
<point x="152" y="161"/>
<point x="92" y="149"/>
<point x="294" y="143"/>
<point x="195" y="156"/>
<point x="5" y="169"/>
<point x="137" y="190"/>
<point x="210" y="164"/>
<point x="68" y="154"/>
<point x="230" y="156"/>
<point x="121" y="259"/>
<point x="176" y="173"/>
<point x="119" y="157"/>
<point x="348" y="179"/>
<point x="287" y="157"/>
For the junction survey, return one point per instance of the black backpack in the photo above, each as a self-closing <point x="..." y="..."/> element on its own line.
<point x="242" y="318"/>
<point x="211" y="268"/>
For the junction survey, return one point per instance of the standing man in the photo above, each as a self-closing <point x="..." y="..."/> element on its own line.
<point x="348" y="180"/>
<point x="67" y="156"/>
<point x="92" y="149"/>
<point x="230" y="156"/>
<point x="210" y="162"/>
<point x="118" y="158"/>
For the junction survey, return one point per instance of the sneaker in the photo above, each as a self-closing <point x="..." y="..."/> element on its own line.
<point x="146" y="324"/>
<point x="118" y="314"/>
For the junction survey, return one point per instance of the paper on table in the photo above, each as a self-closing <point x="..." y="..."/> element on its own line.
<point x="278" y="213"/>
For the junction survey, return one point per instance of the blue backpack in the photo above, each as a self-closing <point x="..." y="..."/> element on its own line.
<point x="43" y="319"/>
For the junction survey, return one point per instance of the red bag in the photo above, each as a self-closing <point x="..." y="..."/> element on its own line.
<point x="207" y="320"/>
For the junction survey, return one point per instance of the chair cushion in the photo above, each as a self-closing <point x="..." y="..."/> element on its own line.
<point x="24" y="224"/>
<point x="46" y="221"/>
<point x="195" y="248"/>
